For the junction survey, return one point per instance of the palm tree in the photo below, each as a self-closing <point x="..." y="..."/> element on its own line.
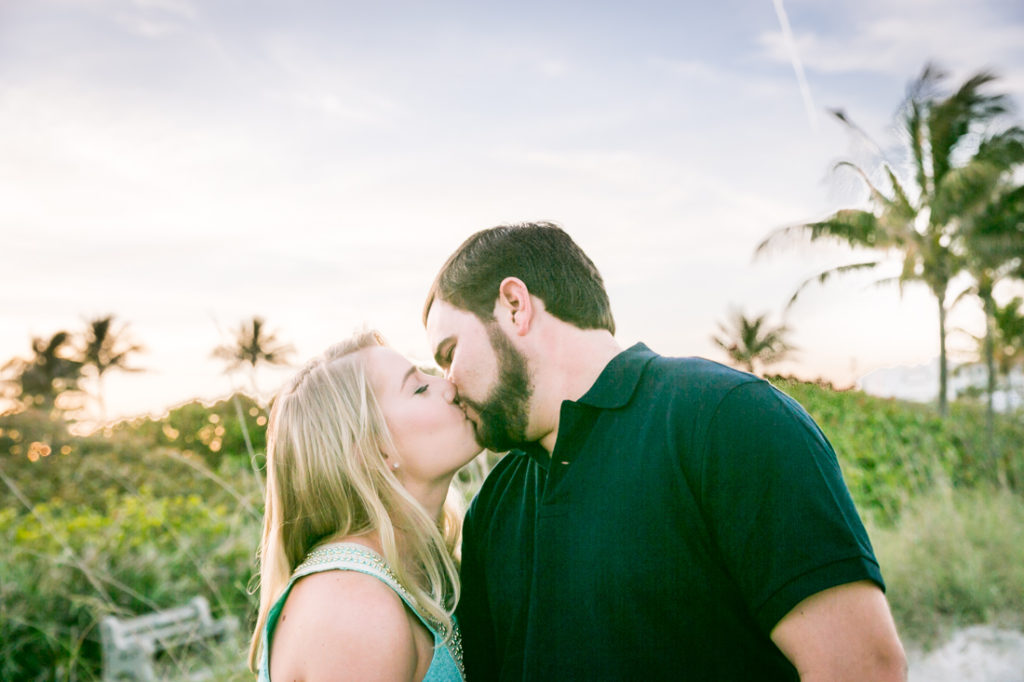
<point x="1002" y="346"/>
<point x="253" y="346"/>
<point x="992" y="241"/>
<point x="50" y="373"/>
<point x="1009" y="338"/>
<point x="918" y="220"/>
<point x="106" y="349"/>
<point x="751" y="341"/>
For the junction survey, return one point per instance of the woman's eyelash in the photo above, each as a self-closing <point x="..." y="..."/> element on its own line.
<point x="421" y="389"/>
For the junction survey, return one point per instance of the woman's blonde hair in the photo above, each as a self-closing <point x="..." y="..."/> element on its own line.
<point x="327" y="477"/>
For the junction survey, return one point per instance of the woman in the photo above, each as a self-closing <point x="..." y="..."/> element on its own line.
<point x="357" y="578"/>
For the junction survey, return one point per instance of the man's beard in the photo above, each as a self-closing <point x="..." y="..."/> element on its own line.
<point x="502" y="416"/>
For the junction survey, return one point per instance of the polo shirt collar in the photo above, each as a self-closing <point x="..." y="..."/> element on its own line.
<point x="617" y="382"/>
<point x="613" y="388"/>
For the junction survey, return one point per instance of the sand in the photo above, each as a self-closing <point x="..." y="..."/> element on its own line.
<point x="980" y="653"/>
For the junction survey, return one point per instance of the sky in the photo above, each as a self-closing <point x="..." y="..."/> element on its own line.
<point x="186" y="165"/>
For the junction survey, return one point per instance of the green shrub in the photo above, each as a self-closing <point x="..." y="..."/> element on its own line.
<point x="84" y="471"/>
<point x="955" y="558"/>
<point x="892" y="451"/>
<point x="66" y="566"/>
<point x="156" y="511"/>
<point x="213" y="431"/>
<point x="115" y="523"/>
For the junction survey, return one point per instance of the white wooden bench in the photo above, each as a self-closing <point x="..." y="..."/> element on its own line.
<point x="130" y="644"/>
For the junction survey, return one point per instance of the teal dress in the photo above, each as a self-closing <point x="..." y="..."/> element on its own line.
<point x="446" y="666"/>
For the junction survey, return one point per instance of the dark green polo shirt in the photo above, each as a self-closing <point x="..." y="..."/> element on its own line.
<point x="686" y="508"/>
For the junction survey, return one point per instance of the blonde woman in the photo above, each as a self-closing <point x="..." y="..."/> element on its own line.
<point x="357" y="578"/>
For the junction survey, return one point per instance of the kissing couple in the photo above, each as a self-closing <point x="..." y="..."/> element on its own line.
<point x="653" y="518"/>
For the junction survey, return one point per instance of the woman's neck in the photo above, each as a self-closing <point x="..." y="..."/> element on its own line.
<point x="431" y="496"/>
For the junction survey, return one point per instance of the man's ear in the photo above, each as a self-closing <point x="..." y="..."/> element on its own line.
<point x="514" y="305"/>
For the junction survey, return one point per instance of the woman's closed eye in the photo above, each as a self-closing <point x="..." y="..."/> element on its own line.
<point x="420" y="389"/>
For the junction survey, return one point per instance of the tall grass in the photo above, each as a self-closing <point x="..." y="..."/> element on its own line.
<point x="955" y="558"/>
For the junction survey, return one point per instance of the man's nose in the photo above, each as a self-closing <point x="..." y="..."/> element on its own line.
<point x="451" y="391"/>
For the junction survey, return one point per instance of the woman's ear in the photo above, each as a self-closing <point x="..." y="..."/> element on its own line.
<point x="514" y="305"/>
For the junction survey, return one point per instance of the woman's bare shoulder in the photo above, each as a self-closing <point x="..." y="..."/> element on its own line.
<point x="343" y="625"/>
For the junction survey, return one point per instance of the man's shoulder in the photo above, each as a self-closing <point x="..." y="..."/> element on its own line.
<point x="694" y="377"/>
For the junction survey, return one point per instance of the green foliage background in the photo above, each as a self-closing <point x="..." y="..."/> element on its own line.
<point x="157" y="511"/>
<point x="892" y="451"/>
<point x="144" y="517"/>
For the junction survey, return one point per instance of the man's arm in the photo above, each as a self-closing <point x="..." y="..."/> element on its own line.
<point x="842" y="633"/>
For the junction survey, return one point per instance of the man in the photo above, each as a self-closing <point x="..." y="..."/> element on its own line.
<point x="657" y="518"/>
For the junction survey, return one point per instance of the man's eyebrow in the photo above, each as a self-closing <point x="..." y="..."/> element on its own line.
<point x="409" y="373"/>
<point x="440" y="347"/>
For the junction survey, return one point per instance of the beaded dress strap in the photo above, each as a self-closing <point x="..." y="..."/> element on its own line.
<point x="356" y="557"/>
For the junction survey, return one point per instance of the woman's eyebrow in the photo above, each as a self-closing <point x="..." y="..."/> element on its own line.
<point x="409" y="373"/>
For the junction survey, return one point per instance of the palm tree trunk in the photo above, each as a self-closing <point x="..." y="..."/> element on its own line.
<point x="253" y="385"/>
<point x="990" y="365"/>
<point x="101" y="399"/>
<point x="943" y="361"/>
<point x="248" y="442"/>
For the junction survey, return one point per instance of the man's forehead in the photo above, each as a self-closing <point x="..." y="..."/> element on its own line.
<point x="443" y="319"/>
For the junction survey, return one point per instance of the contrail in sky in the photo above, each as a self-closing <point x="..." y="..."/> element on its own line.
<point x="798" y="67"/>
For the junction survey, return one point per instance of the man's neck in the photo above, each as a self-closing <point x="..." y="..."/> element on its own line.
<point x="569" y="369"/>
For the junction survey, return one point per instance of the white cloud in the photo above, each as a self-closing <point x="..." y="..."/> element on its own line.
<point x="326" y="83"/>
<point x="553" y="68"/>
<point x="157" y="18"/>
<point x="713" y="77"/>
<point x="898" y="41"/>
<point x="181" y="8"/>
<point x="688" y="68"/>
<point x="360" y="109"/>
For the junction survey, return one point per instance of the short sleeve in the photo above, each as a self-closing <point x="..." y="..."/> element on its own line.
<point x="778" y="509"/>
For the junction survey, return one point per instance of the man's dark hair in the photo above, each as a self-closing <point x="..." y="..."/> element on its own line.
<point x="543" y="256"/>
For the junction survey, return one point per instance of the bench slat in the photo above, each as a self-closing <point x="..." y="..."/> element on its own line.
<point x="159" y="618"/>
<point x="129" y="644"/>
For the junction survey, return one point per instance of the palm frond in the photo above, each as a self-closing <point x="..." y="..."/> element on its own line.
<point x="876" y="194"/>
<point x="827" y="275"/>
<point x="901" y="205"/>
<point x="914" y="122"/>
<point x="1004" y="149"/>
<point x="964" y="189"/>
<point x="751" y="340"/>
<point x="789" y="234"/>
<point x="850" y="226"/>
<point x="253" y="345"/>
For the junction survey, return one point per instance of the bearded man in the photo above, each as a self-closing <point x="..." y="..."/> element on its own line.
<point x="656" y="518"/>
